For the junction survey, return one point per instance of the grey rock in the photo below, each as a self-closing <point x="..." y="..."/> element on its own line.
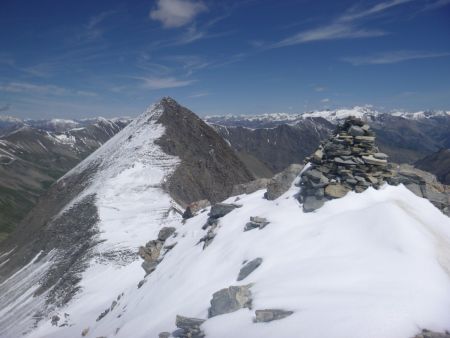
<point x="312" y="203"/>
<point x="313" y="174"/>
<point x="221" y="209"/>
<point x="281" y="182"/>
<point x="336" y="190"/>
<point x="164" y="335"/>
<point x="149" y="266"/>
<point x="370" y="159"/>
<point x="267" y="315"/>
<point x="251" y="225"/>
<point x="248" y="268"/>
<point x="165" y="233"/>
<point x="356" y="131"/>
<point x="230" y="299"/>
<point x="381" y="156"/>
<point x="256" y="222"/>
<point x="188" y="323"/>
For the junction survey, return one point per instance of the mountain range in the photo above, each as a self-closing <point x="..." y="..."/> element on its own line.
<point x="144" y="238"/>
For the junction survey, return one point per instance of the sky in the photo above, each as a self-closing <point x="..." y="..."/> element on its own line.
<point x="74" y="59"/>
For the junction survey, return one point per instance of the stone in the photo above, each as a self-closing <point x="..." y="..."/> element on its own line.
<point x="312" y="203"/>
<point x="85" y="332"/>
<point x="230" y="299"/>
<point x="149" y="266"/>
<point x="256" y="222"/>
<point x="336" y="190"/>
<point x="141" y="282"/>
<point x="267" y="315"/>
<point x="340" y="160"/>
<point x="313" y="174"/>
<point x="281" y="182"/>
<point x="318" y="155"/>
<point x="356" y="131"/>
<point x="164" y="335"/>
<point x="165" y="233"/>
<point x="380" y="156"/>
<point x="221" y="209"/>
<point x="248" y="268"/>
<point x="151" y="250"/>
<point x="365" y="139"/>
<point x="370" y="159"/>
<point x="187" y="323"/>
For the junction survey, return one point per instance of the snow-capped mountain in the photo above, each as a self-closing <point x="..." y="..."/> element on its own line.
<point x="370" y="264"/>
<point x="270" y="120"/>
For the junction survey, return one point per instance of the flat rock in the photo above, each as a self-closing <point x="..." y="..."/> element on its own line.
<point x="221" y="209"/>
<point x="336" y="190"/>
<point x="187" y="322"/>
<point x="165" y="233"/>
<point x="372" y="160"/>
<point x="267" y="315"/>
<point x="230" y="299"/>
<point x="356" y="131"/>
<point x="380" y="156"/>
<point x="248" y="268"/>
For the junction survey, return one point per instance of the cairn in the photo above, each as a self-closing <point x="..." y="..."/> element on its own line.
<point x="349" y="160"/>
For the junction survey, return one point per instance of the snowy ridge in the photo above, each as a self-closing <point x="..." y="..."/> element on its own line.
<point x="362" y="265"/>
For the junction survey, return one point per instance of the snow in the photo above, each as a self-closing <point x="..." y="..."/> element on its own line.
<point x="374" y="264"/>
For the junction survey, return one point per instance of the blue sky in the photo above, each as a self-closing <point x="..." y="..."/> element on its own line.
<point x="61" y="58"/>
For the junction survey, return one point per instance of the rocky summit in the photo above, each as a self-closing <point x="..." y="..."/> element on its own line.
<point x="349" y="160"/>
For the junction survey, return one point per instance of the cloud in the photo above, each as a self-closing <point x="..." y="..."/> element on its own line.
<point x="164" y="82"/>
<point x="435" y="5"/>
<point x="30" y="88"/>
<point x="392" y="57"/>
<point x="319" y="88"/>
<point x="326" y="100"/>
<point x="176" y="13"/>
<point x="5" y="107"/>
<point x="346" y="26"/>
<point x="93" y="29"/>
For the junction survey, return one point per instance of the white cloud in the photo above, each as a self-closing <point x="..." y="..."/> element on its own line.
<point x="177" y="13"/>
<point x="164" y="82"/>
<point x="31" y="88"/>
<point x="392" y="57"/>
<point x="319" y="88"/>
<point x="326" y="100"/>
<point x="345" y="26"/>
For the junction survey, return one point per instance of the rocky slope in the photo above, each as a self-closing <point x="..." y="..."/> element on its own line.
<point x="31" y="159"/>
<point x="437" y="163"/>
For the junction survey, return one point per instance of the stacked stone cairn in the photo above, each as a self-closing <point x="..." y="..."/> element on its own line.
<point x="349" y="160"/>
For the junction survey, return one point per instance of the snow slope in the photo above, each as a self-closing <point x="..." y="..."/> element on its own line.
<point x="374" y="264"/>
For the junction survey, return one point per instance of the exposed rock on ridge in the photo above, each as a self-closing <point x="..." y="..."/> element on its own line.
<point x="209" y="167"/>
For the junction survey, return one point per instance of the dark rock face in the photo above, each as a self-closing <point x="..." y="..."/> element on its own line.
<point x="438" y="164"/>
<point x="230" y="299"/>
<point x="248" y="268"/>
<point x="209" y="168"/>
<point x="347" y="161"/>
<point x="270" y="151"/>
<point x="268" y="315"/>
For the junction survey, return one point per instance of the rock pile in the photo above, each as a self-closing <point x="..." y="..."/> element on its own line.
<point x="151" y="251"/>
<point x="349" y="160"/>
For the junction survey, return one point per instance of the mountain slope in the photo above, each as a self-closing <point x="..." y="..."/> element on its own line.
<point x="32" y="159"/>
<point x="438" y="164"/>
<point x="91" y="222"/>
